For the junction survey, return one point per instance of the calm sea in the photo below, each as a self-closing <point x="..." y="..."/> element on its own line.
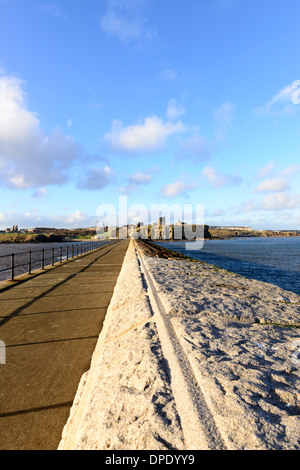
<point x="275" y="260"/>
<point x="21" y="255"/>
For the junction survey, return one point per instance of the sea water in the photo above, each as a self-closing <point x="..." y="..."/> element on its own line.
<point x="275" y="260"/>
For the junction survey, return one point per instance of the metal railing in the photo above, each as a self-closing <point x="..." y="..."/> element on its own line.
<point x="37" y="259"/>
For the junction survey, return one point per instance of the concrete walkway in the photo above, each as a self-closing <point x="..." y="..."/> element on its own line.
<point x="50" y="325"/>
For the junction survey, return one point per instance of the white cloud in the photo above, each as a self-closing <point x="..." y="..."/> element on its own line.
<point x="135" y="182"/>
<point x="77" y="217"/>
<point x="277" y="201"/>
<point x="223" y="117"/>
<point x="195" y="146"/>
<point x="51" y="9"/>
<point x="291" y="170"/>
<point x="40" y="193"/>
<point x="217" y="213"/>
<point x="273" y="185"/>
<point x="32" y="218"/>
<point x="274" y="196"/>
<point x="219" y="180"/>
<point x="280" y="104"/>
<point x="125" y="19"/>
<point x="172" y="190"/>
<point x="28" y="157"/>
<point x="152" y="133"/>
<point x="280" y="201"/>
<point x="168" y="74"/>
<point x="174" y="111"/>
<point x="140" y="178"/>
<point x="15" y="121"/>
<point x="96" y="178"/>
<point x="266" y="170"/>
<point x="121" y="27"/>
<point x="280" y="184"/>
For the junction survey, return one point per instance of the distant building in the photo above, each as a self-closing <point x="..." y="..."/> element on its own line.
<point x="14" y="229"/>
<point x="105" y="228"/>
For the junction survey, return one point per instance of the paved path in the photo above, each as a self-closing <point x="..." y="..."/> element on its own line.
<point x="50" y="325"/>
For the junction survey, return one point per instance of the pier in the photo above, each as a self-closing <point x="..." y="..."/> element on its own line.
<point x="50" y="322"/>
<point x="136" y="347"/>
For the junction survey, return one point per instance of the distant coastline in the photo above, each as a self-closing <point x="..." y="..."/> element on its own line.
<point x="47" y="235"/>
<point x="9" y="238"/>
<point x="224" y="234"/>
<point x="163" y="232"/>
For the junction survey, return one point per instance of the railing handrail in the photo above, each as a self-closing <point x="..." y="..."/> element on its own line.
<point x="38" y="251"/>
<point x="85" y="247"/>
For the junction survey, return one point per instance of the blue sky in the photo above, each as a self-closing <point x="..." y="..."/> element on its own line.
<point x="164" y="102"/>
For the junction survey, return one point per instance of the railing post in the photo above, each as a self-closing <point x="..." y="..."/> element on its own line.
<point x="67" y="252"/>
<point x="43" y="258"/>
<point x="60" y="254"/>
<point x="12" y="266"/>
<point x="29" y="262"/>
<point x="72" y="251"/>
<point x="52" y="256"/>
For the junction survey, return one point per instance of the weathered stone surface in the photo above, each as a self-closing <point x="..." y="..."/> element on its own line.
<point x="238" y="337"/>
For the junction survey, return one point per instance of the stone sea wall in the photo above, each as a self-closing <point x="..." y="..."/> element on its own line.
<point x="190" y="357"/>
